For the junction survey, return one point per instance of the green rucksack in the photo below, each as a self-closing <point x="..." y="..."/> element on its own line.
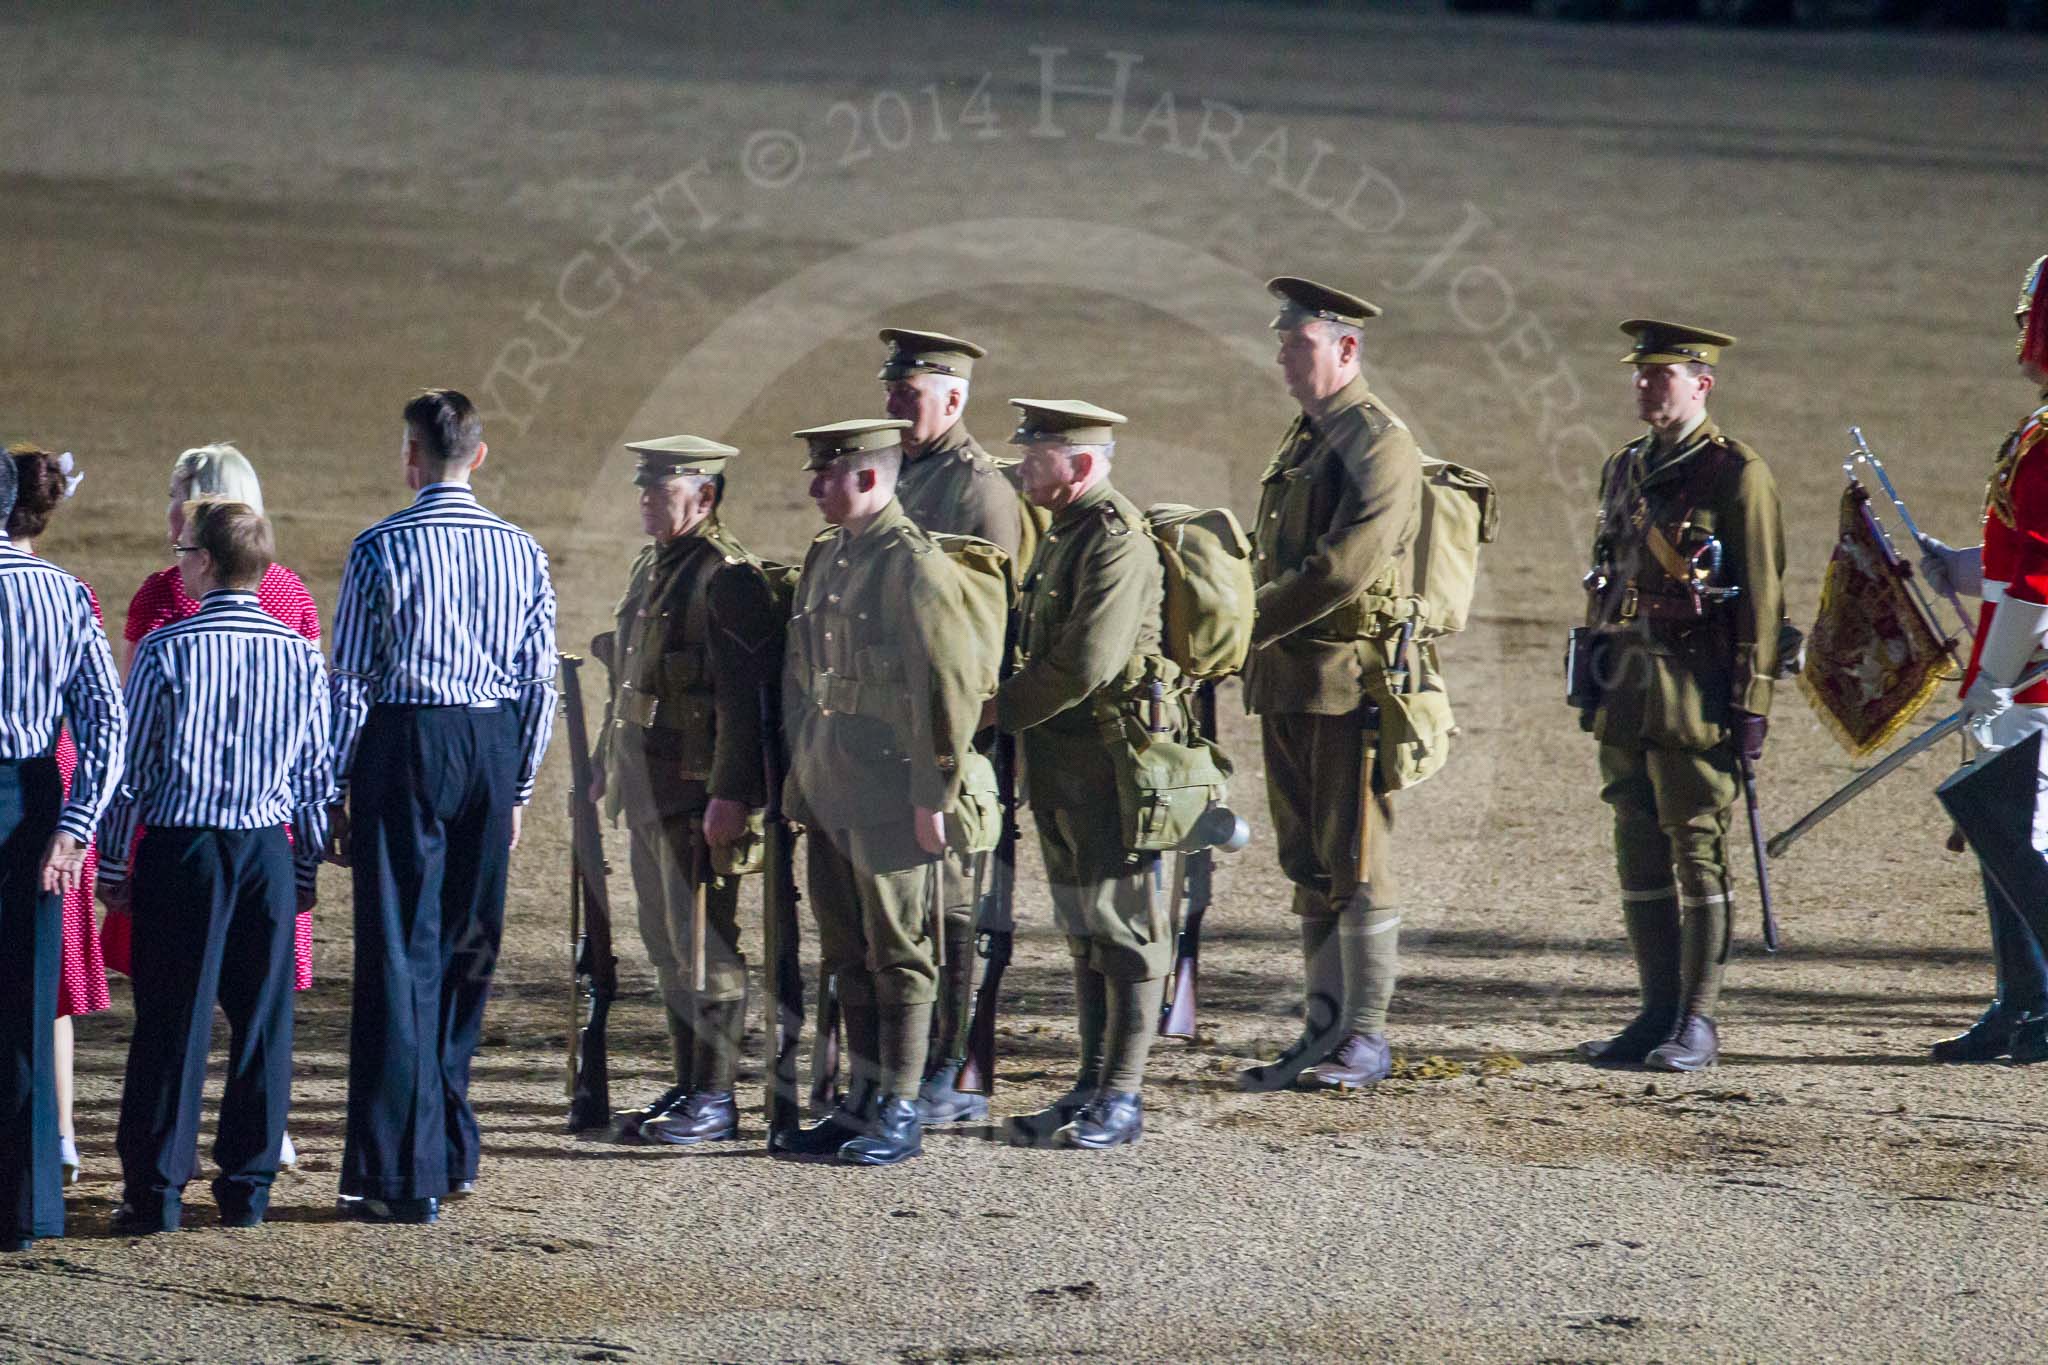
<point x="1209" y="592"/>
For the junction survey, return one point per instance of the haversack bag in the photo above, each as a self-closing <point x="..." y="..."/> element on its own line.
<point x="1164" y="784"/>
<point x="1209" y="594"/>
<point x="1416" y="725"/>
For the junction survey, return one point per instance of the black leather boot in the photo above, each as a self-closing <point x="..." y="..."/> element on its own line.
<point x="1644" y="1034"/>
<point x="704" y="1117"/>
<point x="854" y="1119"/>
<point x="897" y="1137"/>
<point x="1114" y="1118"/>
<point x="1283" y="1071"/>
<point x="1694" y="1045"/>
<point x="1362" y="1059"/>
<point x="1037" y="1130"/>
<point x="627" y="1123"/>
<point x="939" y="1102"/>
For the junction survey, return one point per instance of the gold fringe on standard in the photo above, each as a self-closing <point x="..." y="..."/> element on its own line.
<point x="1872" y="659"/>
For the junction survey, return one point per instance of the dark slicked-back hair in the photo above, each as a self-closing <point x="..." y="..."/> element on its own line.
<point x="446" y="425"/>
<point x="7" y="488"/>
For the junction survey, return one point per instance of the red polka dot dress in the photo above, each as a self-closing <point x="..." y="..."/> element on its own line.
<point x="82" y="971"/>
<point x="162" y="599"/>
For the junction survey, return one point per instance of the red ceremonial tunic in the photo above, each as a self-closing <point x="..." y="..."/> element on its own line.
<point x="2016" y="534"/>
<point x="162" y="599"/>
<point x="82" y="969"/>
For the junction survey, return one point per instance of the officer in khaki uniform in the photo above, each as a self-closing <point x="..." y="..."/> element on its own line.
<point x="882" y="690"/>
<point x="1339" y="508"/>
<point x="697" y="637"/>
<point x="1089" y="647"/>
<point x="1686" y="600"/>
<point x="950" y="485"/>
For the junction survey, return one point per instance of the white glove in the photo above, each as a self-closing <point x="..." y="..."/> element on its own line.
<point x="1949" y="570"/>
<point x="2017" y="629"/>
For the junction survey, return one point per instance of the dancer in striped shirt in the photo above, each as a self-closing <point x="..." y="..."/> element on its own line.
<point x="444" y="663"/>
<point x="229" y="739"/>
<point x="54" y="665"/>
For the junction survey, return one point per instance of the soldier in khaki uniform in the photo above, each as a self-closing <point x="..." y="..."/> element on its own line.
<point x="1687" y="595"/>
<point x="696" y="638"/>
<point x="1089" y="647"/>
<point x="950" y="485"/>
<point x="1338" y="513"/>
<point x="882" y="689"/>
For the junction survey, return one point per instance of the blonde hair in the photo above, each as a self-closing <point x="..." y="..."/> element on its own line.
<point x="216" y="471"/>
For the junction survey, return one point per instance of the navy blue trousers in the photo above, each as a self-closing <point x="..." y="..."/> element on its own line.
<point x="214" y="919"/>
<point x="31" y="925"/>
<point x="430" y="810"/>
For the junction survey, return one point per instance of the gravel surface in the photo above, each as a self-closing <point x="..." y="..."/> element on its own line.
<point x="270" y="223"/>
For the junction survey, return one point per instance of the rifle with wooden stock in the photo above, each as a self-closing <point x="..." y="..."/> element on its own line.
<point x="779" y="933"/>
<point x="995" y="929"/>
<point x="1194" y="886"/>
<point x="594" y="980"/>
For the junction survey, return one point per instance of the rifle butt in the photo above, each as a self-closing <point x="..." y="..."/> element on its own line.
<point x="1178" y="1021"/>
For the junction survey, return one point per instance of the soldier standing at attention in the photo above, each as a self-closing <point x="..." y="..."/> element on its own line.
<point x="882" y="689"/>
<point x="2009" y="571"/>
<point x="695" y="641"/>
<point x="54" y="666"/>
<point x="1089" y="643"/>
<point x="949" y="485"/>
<point x="1686" y="597"/>
<point x="444" y="700"/>
<point x="1338" y="513"/>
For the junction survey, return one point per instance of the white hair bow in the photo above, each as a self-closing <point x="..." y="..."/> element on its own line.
<point x="72" y="475"/>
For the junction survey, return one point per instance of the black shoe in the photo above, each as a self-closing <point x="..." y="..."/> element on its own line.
<point x="939" y="1102"/>
<point x="1114" y="1118"/>
<point x="1694" y="1045"/>
<point x="411" y="1212"/>
<point x="2030" y="1041"/>
<point x="1984" y="1041"/>
<point x="146" y="1217"/>
<point x="1304" y="1052"/>
<point x="705" y="1117"/>
<point x="627" y="1123"/>
<point x="1037" y="1130"/>
<point x="16" y="1243"/>
<point x="1363" y="1059"/>
<point x="1645" y="1034"/>
<point x="898" y="1136"/>
<point x="240" y="1206"/>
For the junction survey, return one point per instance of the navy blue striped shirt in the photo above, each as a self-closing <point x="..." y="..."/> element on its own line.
<point x="55" y="665"/>
<point x="446" y="604"/>
<point x="228" y="729"/>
